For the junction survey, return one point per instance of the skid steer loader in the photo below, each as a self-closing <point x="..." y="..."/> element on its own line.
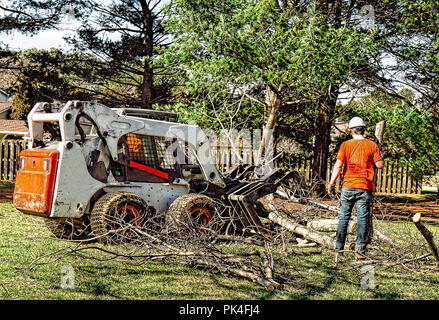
<point x="89" y="168"/>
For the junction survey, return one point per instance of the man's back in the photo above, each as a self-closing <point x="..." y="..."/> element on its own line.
<point x="359" y="157"/>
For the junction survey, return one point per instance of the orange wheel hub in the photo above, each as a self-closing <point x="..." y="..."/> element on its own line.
<point x="126" y="214"/>
<point x="202" y="216"/>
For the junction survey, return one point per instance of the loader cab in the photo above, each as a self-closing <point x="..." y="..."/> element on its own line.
<point x="147" y="158"/>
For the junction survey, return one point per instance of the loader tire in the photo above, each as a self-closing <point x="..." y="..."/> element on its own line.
<point x="112" y="215"/>
<point x="193" y="215"/>
<point x="66" y="230"/>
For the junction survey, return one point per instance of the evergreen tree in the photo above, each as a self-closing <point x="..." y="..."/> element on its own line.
<point x="26" y="95"/>
<point x="283" y="57"/>
<point x="116" y="46"/>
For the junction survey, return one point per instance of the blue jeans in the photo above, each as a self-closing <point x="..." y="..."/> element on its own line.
<point x="362" y="200"/>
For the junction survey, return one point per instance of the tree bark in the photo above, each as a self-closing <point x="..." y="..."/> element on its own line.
<point x="147" y="84"/>
<point x="321" y="145"/>
<point x="427" y="235"/>
<point x="330" y="225"/>
<point x="273" y="104"/>
<point x="146" y="89"/>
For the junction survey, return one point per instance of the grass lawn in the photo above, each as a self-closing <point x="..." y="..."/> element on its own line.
<point x="24" y="238"/>
<point x="410" y="198"/>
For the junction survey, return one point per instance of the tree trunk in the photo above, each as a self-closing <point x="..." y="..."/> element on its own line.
<point x="146" y="89"/>
<point x="427" y="235"/>
<point x="324" y="118"/>
<point x="273" y="104"/>
<point x="321" y="146"/>
<point x="147" y="85"/>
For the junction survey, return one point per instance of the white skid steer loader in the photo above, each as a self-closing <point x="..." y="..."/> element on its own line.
<point x="89" y="168"/>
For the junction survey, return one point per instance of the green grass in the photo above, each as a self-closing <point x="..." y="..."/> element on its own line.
<point x="6" y="185"/>
<point x="410" y="198"/>
<point x="24" y="238"/>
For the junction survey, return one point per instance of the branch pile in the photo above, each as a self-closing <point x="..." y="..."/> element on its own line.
<point x="246" y="254"/>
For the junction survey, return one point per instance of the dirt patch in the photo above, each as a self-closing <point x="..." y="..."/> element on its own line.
<point x="429" y="210"/>
<point x="6" y="194"/>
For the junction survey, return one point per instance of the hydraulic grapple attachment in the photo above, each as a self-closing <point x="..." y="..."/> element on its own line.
<point x="243" y="196"/>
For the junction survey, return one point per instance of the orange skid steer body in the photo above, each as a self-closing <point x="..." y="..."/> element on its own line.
<point x="35" y="181"/>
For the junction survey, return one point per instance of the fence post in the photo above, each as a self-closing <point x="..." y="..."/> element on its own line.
<point x="11" y="161"/>
<point x="5" y="161"/>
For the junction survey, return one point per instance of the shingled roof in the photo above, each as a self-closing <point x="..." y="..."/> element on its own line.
<point x="16" y="127"/>
<point x="5" y="105"/>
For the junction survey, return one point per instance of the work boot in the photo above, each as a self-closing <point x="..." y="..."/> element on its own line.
<point x="360" y="257"/>
<point x="339" y="257"/>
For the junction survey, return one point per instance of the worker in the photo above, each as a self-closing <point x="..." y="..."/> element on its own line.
<point x="358" y="158"/>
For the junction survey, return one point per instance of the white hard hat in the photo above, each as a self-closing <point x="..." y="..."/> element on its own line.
<point x="356" y="122"/>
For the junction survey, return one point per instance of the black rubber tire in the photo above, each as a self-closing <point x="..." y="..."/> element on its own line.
<point x="180" y="218"/>
<point x="104" y="217"/>
<point x="66" y="230"/>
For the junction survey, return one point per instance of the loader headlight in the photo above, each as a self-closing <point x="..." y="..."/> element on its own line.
<point x="46" y="165"/>
<point x="21" y="164"/>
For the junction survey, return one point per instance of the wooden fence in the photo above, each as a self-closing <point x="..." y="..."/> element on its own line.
<point x="395" y="179"/>
<point x="10" y="155"/>
<point x="391" y="179"/>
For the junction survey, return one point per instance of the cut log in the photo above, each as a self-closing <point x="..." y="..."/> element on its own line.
<point x="427" y="235"/>
<point x="382" y="237"/>
<point x="330" y="225"/>
<point x="305" y="232"/>
<point x="304" y="243"/>
<point x="323" y="205"/>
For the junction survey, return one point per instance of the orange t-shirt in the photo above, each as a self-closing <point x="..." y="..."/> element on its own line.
<point x="359" y="157"/>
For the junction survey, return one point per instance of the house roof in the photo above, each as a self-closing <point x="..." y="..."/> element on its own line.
<point x="17" y="127"/>
<point x="4" y="106"/>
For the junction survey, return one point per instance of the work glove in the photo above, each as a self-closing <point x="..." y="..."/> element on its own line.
<point x="330" y="190"/>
